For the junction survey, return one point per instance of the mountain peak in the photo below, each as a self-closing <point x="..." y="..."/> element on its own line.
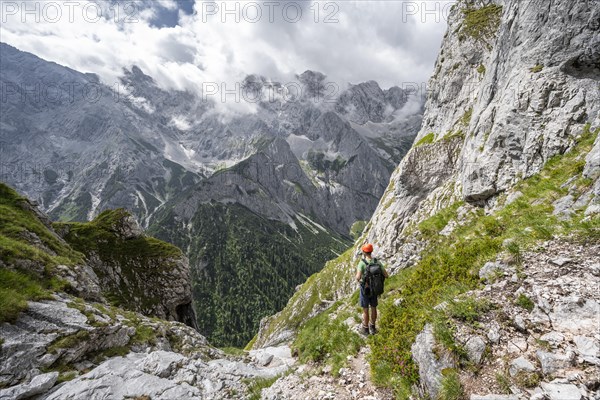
<point x="136" y="75"/>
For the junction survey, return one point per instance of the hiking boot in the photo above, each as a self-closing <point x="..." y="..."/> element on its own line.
<point x="372" y="329"/>
<point x="364" y="330"/>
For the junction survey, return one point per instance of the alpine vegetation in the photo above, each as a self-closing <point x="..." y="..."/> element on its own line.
<point x="371" y="242"/>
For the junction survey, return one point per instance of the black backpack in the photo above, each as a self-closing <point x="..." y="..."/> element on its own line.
<point x="374" y="278"/>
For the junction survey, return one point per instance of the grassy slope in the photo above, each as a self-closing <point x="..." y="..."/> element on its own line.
<point x="141" y="260"/>
<point x="31" y="274"/>
<point x="30" y="252"/>
<point x="449" y="266"/>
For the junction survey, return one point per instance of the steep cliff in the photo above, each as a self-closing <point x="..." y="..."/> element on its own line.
<point x="514" y="85"/>
<point x="506" y="160"/>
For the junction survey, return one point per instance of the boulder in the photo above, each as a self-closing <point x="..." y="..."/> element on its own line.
<point x="430" y="365"/>
<point x="588" y="349"/>
<point x="520" y="364"/>
<point x="475" y="347"/>
<point x="162" y="363"/>
<point x="561" y="391"/>
<point x="124" y="377"/>
<point x="553" y="338"/>
<point x="494" y="334"/>
<point x="492" y="269"/>
<point x="561" y="261"/>
<point x="554" y="362"/>
<point x="38" y="385"/>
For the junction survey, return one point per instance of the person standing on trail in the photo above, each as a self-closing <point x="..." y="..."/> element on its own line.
<point x="371" y="275"/>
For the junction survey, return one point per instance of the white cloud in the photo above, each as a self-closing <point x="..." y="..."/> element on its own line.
<point x="387" y="41"/>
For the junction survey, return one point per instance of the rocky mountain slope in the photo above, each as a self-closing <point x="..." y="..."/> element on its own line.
<point x="108" y="259"/>
<point x="137" y="146"/>
<point x="502" y="183"/>
<point x="61" y="337"/>
<point x="309" y="167"/>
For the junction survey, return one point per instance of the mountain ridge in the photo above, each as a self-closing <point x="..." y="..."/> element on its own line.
<point x="503" y="170"/>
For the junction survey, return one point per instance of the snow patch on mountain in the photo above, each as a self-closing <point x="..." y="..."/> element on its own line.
<point x="181" y="123"/>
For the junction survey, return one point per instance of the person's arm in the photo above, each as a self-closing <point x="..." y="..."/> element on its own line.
<point x="359" y="272"/>
<point x="358" y="275"/>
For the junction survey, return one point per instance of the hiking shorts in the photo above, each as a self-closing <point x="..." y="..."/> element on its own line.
<point x="366" y="301"/>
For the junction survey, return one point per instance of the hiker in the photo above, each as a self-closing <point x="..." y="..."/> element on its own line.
<point x="371" y="274"/>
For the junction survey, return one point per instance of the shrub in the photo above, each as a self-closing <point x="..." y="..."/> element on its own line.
<point x="469" y="309"/>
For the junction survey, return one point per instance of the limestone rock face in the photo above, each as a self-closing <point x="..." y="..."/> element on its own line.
<point x="509" y="102"/>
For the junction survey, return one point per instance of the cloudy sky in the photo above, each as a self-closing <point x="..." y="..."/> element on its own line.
<point x="185" y="43"/>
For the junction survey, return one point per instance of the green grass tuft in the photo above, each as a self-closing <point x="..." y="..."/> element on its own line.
<point x="357" y="229"/>
<point x="504" y="383"/>
<point x="525" y="302"/>
<point x="23" y="236"/>
<point x="537" y="68"/>
<point x="68" y="342"/>
<point x="66" y="376"/>
<point x="443" y="330"/>
<point x="527" y="380"/>
<point x="16" y="288"/>
<point x="234" y="351"/>
<point x="451" y="388"/>
<point x="481" y="24"/>
<point x="434" y="224"/>
<point x="465" y="120"/>
<point x="427" y="139"/>
<point x="255" y="386"/>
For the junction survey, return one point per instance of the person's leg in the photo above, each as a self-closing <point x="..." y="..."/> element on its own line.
<point x="366" y="317"/>
<point x="373" y="315"/>
<point x="364" y="303"/>
<point x="373" y="302"/>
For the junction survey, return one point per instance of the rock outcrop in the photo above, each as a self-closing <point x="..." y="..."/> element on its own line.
<point x="115" y="331"/>
<point x="135" y="271"/>
<point x="501" y="105"/>
<point x="98" y="351"/>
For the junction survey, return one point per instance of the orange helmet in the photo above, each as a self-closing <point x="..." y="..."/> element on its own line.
<point x="367" y="248"/>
